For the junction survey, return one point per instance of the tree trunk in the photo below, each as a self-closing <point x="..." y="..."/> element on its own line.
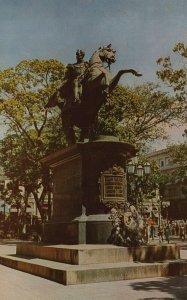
<point x="39" y="202"/>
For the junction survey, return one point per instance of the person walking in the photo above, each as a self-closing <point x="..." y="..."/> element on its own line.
<point x="182" y="232"/>
<point x="177" y="228"/>
<point x="167" y="233"/>
<point x="146" y="234"/>
<point x="160" y="234"/>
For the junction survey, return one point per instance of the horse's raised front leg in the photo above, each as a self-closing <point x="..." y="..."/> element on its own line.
<point x="134" y="72"/>
<point x="115" y="79"/>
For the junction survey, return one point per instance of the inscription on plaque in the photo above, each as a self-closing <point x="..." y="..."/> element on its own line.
<point x="114" y="186"/>
<point x="113" y="190"/>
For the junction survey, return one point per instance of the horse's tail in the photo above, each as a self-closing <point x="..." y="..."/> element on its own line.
<point x="50" y="102"/>
<point x="53" y="100"/>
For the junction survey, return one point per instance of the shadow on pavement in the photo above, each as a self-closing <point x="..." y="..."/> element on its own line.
<point x="176" y="287"/>
<point x="156" y="298"/>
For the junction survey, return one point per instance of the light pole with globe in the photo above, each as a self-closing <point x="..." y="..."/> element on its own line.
<point x="137" y="177"/>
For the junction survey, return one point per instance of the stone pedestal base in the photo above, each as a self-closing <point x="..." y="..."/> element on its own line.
<point x="79" y="215"/>
<point x="77" y="232"/>
<point x="80" y="264"/>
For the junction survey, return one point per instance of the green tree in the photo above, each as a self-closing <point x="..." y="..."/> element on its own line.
<point x="33" y="131"/>
<point x="179" y="157"/>
<point x="173" y="73"/>
<point x="138" y="115"/>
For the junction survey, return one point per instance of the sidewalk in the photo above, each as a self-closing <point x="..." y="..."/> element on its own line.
<point x="173" y="239"/>
<point x="22" y="286"/>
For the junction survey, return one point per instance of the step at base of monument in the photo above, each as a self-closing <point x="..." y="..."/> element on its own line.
<point x="80" y="274"/>
<point x="93" y="254"/>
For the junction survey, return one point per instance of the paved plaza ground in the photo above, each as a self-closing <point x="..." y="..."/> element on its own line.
<point x="16" y="285"/>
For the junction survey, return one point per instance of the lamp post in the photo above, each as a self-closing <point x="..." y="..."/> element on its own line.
<point x="137" y="175"/>
<point x="159" y="201"/>
<point x="50" y="190"/>
<point x="3" y="195"/>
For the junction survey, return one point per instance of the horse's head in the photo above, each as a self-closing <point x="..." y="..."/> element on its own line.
<point x="107" y="54"/>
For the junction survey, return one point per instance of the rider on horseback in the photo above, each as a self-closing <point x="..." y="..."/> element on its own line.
<point x="75" y="73"/>
<point x="85" y="88"/>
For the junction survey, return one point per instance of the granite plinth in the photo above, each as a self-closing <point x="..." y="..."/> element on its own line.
<point x="78" y="214"/>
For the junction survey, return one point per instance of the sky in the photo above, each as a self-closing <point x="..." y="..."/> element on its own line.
<point x="141" y="31"/>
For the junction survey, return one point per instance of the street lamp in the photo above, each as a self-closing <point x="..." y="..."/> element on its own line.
<point x="147" y="168"/>
<point x="133" y="168"/>
<point x="137" y="173"/>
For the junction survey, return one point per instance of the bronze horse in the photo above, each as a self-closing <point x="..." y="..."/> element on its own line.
<point x="97" y="84"/>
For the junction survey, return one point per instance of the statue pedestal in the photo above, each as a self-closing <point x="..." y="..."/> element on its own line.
<point x="78" y="214"/>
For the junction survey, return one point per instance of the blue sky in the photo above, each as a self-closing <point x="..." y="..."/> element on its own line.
<point x="140" y="30"/>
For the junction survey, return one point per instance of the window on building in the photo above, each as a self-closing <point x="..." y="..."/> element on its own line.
<point x="161" y="163"/>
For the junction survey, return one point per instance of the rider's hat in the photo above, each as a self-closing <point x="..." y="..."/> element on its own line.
<point x="80" y="52"/>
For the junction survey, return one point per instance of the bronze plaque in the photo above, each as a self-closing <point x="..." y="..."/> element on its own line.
<point x="113" y="188"/>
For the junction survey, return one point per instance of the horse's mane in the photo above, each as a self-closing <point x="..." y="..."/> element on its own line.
<point x="94" y="53"/>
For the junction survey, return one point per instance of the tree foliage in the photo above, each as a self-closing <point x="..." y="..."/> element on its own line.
<point x="173" y="73"/>
<point x="138" y="114"/>
<point x="33" y="131"/>
<point x="179" y="157"/>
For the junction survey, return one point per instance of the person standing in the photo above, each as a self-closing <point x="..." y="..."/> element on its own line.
<point x="152" y="231"/>
<point x="160" y="234"/>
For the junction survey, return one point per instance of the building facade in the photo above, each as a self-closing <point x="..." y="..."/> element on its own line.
<point x="174" y="198"/>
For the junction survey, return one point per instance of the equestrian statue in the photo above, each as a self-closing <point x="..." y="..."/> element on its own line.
<point x="85" y="88"/>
